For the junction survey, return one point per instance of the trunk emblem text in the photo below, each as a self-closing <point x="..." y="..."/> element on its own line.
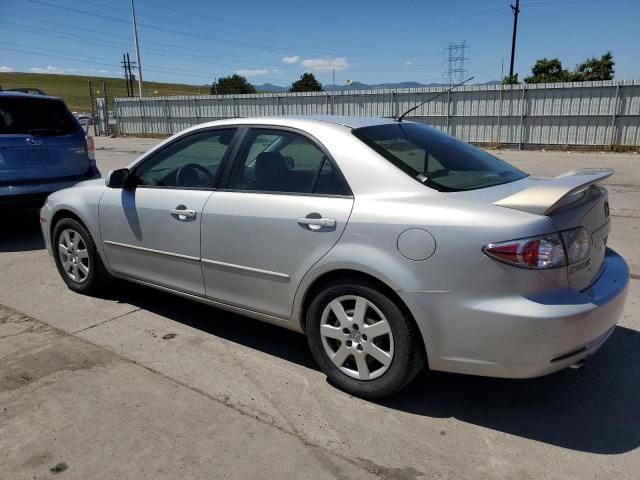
<point x="580" y="266"/>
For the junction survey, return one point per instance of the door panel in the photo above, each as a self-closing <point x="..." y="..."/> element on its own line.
<point x="254" y="250"/>
<point x="151" y="231"/>
<point x="142" y="237"/>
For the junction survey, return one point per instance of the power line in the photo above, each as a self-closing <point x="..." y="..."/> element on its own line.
<point x="179" y="51"/>
<point x="218" y="39"/>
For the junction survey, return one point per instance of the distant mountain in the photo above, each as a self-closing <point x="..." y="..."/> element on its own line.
<point x="270" y="88"/>
<point x="366" y="86"/>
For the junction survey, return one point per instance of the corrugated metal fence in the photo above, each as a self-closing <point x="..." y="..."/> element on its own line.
<point x="605" y="113"/>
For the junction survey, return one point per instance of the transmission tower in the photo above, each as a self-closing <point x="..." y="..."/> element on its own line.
<point x="455" y="60"/>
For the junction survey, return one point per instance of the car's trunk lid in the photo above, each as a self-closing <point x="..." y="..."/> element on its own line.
<point x="39" y="140"/>
<point x="571" y="200"/>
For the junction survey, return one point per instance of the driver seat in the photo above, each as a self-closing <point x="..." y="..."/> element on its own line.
<point x="271" y="172"/>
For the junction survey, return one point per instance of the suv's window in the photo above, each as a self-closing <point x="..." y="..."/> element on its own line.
<point x="280" y="161"/>
<point x="191" y="162"/>
<point x="438" y="160"/>
<point x="35" y="116"/>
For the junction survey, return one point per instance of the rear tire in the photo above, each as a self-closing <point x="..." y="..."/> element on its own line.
<point x="362" y="340"/>
<point x="77" y="258"/>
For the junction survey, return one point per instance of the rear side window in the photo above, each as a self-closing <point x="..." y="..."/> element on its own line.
<point x="435" y="159"/>
<point x="285" y="162"/>
<point x="35" y="116"/>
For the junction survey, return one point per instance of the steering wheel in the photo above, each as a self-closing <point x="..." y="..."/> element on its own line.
<point x="193" y="175"/>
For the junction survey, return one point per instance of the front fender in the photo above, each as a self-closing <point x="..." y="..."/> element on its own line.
<point x="82" y="201"/>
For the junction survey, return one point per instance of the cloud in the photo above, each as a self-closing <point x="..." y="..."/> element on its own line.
<point x="291" y="59"/>
<point x="4" y="68"/>
<point x="252" y="73"/>
<point x="49" y="69"/>
<point x="408" y="63"/>
<point x="325" y="64"/>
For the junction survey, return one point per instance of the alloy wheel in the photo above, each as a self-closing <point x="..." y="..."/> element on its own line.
<point x="74" y="256"/>
<point x="357" y="337"/>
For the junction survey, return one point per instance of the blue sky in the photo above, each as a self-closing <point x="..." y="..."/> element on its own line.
<point x="194" y="41"/>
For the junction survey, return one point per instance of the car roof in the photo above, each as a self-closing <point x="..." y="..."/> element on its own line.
<point x="338" y="121"/>
<point x="5" y="93"/>
<point x="347" y="121"/>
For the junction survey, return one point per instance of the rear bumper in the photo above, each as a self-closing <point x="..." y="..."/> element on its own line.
<point x="516" y="336"/>
<point x="34" y="194"/>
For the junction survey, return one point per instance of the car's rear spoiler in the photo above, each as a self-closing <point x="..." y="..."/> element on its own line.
<point x="544" y="198"/>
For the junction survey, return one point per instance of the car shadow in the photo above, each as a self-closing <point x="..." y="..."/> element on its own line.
<point x="594" y="409"/>
<point x="20" y="230"/>
<point x="239" y="329"/>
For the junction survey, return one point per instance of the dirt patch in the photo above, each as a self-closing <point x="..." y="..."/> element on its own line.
<point x="39" y="351"/>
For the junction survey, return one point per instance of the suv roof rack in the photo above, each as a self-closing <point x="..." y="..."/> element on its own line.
<point x="37" y="91"/>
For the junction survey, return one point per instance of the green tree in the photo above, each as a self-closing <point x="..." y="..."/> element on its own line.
<point x="597" y="68"/>
<point x="232" y="84"/>
<point x="549" y="71"/>
<point x="511" y="80"/>
<point x="307" y="83"/>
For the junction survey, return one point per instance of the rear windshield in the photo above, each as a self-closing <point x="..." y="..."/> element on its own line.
<point x="435" y="159"/>
<point x="35" y="116"/>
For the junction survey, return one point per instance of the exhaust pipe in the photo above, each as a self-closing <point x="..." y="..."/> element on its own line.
<point x="578" y="364"/>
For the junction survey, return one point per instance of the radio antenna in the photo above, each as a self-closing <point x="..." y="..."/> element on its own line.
<point x="399" y="119"/>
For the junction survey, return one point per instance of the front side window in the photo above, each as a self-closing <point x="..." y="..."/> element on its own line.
<point x="435" y="159"/>
<point x="191" y="162"/>
<point x="281" y="161"/>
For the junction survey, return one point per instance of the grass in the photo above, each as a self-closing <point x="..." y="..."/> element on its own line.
<point x="74" y="89"/>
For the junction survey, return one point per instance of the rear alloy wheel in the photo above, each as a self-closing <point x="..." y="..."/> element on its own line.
<point x="76" y="257"/>
<point x="357" y="337"/>
<point x="362" y="340"/>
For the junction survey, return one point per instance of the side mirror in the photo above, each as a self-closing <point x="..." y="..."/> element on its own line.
<point x="118" y="178"/>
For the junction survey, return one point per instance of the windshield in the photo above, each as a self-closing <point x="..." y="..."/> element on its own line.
<point x="35" y="116"/>
<point x="435" y="159"/>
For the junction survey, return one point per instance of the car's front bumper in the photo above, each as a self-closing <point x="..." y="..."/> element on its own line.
<point x="512" y="335"/>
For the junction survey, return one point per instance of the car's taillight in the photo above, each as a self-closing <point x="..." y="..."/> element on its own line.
<point x="91" y="147"/>
<point x="546" y="251"/>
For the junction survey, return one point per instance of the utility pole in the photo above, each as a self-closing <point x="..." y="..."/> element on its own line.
<point x="130" y="78"/>
<point x="126" y="73"/>
<point x="516" y="11"/>
<point x="334" y="81"/>
<point x="93" y="111"/>
<point x="135" y="38"/>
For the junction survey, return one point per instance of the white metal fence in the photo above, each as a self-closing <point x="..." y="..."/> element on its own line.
<point x="603" y="113"/>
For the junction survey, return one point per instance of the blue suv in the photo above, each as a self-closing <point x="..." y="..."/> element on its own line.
<point x="43" y="148"/>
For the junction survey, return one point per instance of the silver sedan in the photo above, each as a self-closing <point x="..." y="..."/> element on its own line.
<point x="390" y="244"/>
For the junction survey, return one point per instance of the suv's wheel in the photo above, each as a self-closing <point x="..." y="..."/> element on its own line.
<point x="362" y="340"/>
<point x="76" y="257"/>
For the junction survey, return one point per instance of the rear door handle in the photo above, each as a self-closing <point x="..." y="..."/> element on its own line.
<point x="183" y="213"/>
<point x="317" y="223"/>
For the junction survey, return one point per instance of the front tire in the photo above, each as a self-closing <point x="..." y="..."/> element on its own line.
<point x="362" y="340"/>
<point x="76" y="257"/>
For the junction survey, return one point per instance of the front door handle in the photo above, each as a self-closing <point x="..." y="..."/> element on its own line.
<point x="317" y="223"/>
<point x="183" y="213"/>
